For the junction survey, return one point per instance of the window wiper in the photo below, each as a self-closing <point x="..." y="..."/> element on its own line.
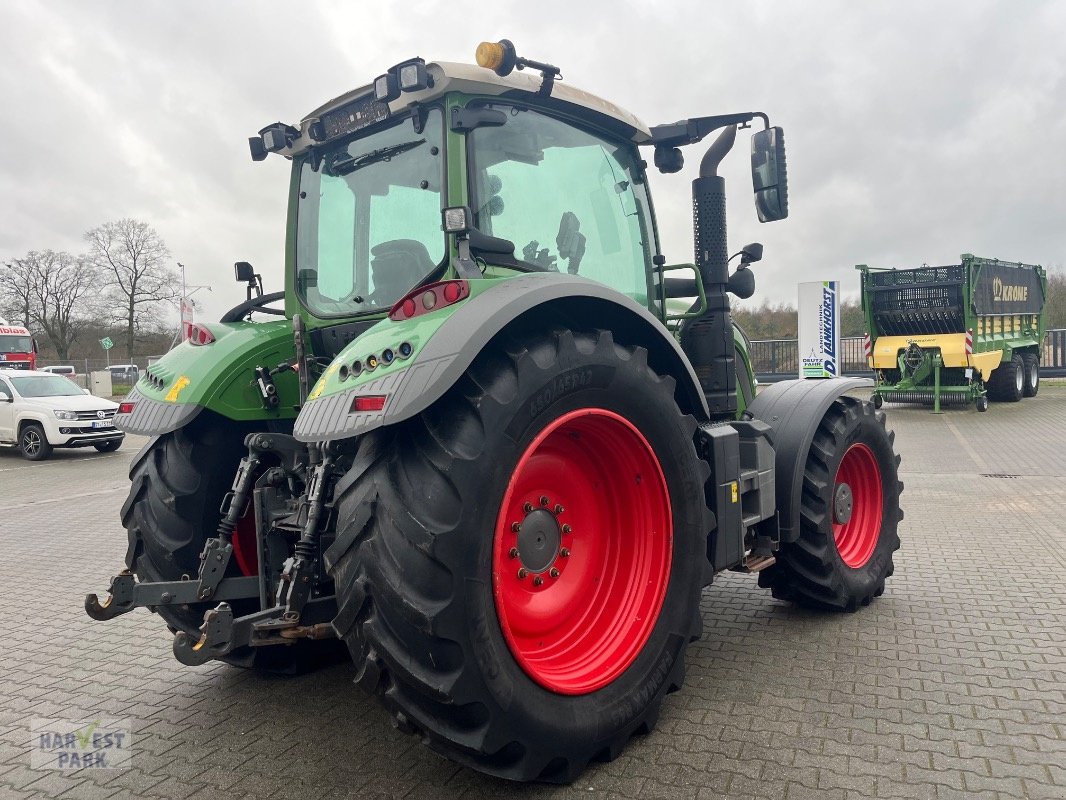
<point x="345" y="165"/>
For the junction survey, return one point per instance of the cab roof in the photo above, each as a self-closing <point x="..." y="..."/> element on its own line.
<point x="472" y="79"/>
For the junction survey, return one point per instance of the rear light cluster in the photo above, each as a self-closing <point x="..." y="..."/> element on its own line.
<point x="375" y="360"/>
<point x="199" y="335"/>
<point x="125" y="408"/>
<point x="429" y="298"/>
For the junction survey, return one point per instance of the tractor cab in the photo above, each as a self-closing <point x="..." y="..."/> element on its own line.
<point x="531" y="174"/>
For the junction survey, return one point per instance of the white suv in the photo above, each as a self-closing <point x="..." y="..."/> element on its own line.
<point x="40" y="411"/>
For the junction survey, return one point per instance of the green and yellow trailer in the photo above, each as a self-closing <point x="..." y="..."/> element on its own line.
<point x="956" y="334"/>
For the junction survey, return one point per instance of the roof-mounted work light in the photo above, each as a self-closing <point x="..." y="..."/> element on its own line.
<point x="272" y="139"/>
<point x="413" y="76"/>
<point x="386" y="88"/>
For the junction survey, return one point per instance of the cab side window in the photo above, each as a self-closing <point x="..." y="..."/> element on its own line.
<point x="568" y="199"/>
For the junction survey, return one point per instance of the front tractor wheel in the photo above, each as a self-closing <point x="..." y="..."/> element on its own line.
<point x="519" y="567"/>
<point x="849" y="516"/>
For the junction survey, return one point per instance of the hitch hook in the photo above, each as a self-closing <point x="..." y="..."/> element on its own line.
<point x="119" y="598"/>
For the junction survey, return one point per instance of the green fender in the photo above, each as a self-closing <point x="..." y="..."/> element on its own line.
<point x="219" y="376"/>
<point x="444" y="342"/>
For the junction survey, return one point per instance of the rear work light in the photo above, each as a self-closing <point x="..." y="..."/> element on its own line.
<point x="368" y="402"/>
<point x="125" y="408"/>
<point x="199" y="335"/>
<point x="429" y="298"/>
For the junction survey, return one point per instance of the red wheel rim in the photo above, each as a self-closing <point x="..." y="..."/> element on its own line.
<point x="245" y="544"/>
<point x="859" y="526"/>
<point x="588" y="503"/>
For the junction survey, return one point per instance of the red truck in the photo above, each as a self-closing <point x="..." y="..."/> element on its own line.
<point x="18" y="350"/>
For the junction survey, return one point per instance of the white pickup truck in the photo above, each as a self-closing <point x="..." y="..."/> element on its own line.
<point x="40" y="411"/>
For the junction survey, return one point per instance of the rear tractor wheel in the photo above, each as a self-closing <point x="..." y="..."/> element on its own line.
<point x="849" y="517"/>
<point x="518" y="568"/>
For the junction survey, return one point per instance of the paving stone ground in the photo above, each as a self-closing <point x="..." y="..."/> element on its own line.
<point x="952" y="685"/>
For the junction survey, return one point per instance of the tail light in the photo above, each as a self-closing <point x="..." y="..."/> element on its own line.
<point x="368" y="402"/>
<point x="125" y="408"/>
<point x="429" y="298"/>
<point x="199" y="335"/>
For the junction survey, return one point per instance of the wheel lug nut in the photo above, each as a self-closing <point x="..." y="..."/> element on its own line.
<point x="544" y="500"/>
<point x="565" y="552"/>
<point x="513" y="552"/>
<point x="522" y="572"/>
<point x="558" y="509"/>
<point x="516" y="527"/>
<point x="553" y="572"/>
<point x="567" y="529"/>
<point x="527" y="507"/>
<point x="537" y="581"/>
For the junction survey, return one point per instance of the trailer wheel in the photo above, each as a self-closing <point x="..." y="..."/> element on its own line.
<point x="518" y="568"/>
<point x="982" y="403"/>
<point x="1007" y="381"/>
<point x="878" y="400"/>
<point x="1031" y="364"/>
<point x="849" y="516"/>
<point x="177" y="484"/>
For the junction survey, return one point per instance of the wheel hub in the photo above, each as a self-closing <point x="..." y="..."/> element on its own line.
<point x="539" y="539"/>
<point x="843" y="504"/>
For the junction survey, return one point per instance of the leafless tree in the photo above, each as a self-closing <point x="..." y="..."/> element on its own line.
<point x="134" y="258"/>
<point x="17" y="278"/>
<point x="54" y="292"/>
<point x="65" y="297"/>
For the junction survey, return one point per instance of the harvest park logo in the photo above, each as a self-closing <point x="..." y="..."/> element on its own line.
<point x="72" y="744"/>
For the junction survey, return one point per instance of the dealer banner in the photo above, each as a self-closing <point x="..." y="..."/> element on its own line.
<point x="819" y="329"/>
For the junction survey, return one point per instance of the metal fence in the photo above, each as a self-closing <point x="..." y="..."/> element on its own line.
<point x="778" y="359"/>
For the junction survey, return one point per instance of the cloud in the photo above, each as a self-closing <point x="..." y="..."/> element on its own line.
<point x="916" y="130"/>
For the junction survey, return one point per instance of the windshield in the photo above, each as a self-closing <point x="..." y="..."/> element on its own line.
<point x="595" y="219"/>
<point x="368" y="226"/>
<point x="15" y="344"/>
<point x="46" y="386"/>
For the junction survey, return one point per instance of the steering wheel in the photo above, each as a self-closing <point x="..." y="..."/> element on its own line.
<point x="255" y="304"/>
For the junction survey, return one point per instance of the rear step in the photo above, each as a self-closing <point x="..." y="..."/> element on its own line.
<point x="755" y="563"/>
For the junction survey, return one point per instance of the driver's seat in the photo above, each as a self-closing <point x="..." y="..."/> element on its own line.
<point x="396" y="267"/>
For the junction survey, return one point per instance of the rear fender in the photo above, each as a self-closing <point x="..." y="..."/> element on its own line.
<point x="495" y="305"/>
<point x="793" y="410"/>
<point x="219" y="376"/>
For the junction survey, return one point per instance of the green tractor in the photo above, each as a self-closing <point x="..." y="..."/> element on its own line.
<point x="482" y="447"/>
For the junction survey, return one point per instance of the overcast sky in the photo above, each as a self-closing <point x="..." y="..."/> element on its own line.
<point x="915" y="130"/>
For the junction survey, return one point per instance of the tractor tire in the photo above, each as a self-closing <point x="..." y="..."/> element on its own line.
<point x="33" y="444"/>
<point x="519" y="567"/>
<point x="1006" y="384"/>
<point x="178" y="482"/>
<point x="1031" y="366"/>
<point x="849" y="516"/>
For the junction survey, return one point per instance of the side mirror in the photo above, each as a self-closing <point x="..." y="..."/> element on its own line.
<point x="769" y="175"/>
<point x="244" y="271"/>
<point x="246" y="274"/>
<point x="4" y="398"/>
